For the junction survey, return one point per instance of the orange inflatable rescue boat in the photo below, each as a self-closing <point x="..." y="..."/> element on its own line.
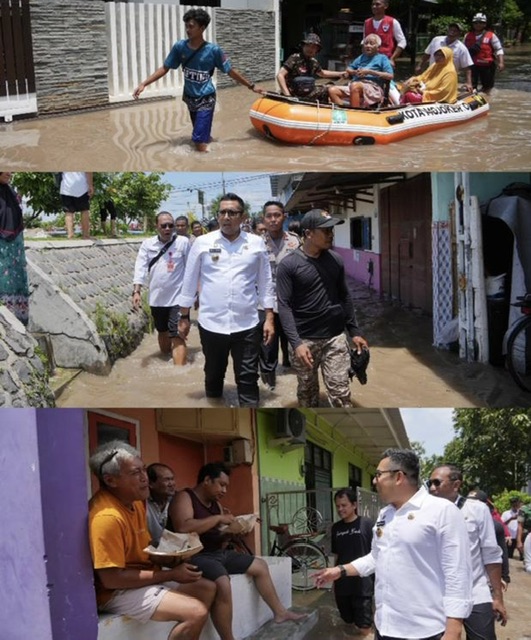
<point x="291" y="120"/>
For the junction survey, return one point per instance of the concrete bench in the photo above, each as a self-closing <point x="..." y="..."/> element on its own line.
<point x="250" y="611"/>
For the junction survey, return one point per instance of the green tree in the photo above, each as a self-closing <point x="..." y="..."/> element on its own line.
<point x="136" y="195"/>
<point x="492" y="447"/>
<point x="427" y="463"/>
<point x="39" y="192"/>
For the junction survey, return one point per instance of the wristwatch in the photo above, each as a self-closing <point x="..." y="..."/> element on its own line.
<point x="184" y="316"/>
<point x="342" y="571"/>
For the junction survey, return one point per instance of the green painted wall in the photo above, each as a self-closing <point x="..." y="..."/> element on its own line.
<point x="281" y="469"/>
<point x="482" y="185"/>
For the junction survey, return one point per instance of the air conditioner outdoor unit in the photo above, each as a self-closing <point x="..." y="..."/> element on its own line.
<point x="291" y="426"/>
<point x="238" y="452"/>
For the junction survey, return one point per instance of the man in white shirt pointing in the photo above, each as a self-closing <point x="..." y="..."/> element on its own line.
<point x="420" y="556"/>
<point x="230" y="269"/>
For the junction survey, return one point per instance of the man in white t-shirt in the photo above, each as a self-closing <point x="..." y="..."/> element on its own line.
<point x="510" y="519"/>
<point x="462" y="58"/>
<point x="76" y="190"/>
<point x="420" y="557"/>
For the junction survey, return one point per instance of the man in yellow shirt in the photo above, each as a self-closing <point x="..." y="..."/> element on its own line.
<point x="127" y="583"/>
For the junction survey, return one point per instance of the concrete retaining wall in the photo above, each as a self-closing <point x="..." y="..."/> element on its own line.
<point x="75" y="288"/>
<point x="23" y="376"/>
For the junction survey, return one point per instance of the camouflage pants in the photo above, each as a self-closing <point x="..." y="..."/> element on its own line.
<point x="332" y="355"/>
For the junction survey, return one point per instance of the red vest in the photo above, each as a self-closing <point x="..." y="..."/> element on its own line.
<point x="486" y="51"/>
<point x="385" y="31"/>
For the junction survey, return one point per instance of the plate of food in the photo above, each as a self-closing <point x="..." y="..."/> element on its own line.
<point x="242" y="524"/>
<point x="176" y="545"/>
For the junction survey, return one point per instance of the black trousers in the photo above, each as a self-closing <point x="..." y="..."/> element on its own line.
<point x="269" y="352"/>
<point x="377" y="636"/>
<point x="480" y="624"/>
<point x="244" y="347"/>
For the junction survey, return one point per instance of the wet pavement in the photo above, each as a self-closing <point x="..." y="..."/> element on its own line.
<point x="330" y="625"/>
<point x="155" y="135"/>
<point x="405" y="371"/>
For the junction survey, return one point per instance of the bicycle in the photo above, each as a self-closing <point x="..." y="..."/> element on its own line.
<point x="519" y="345"/>
<point x="301" y="546"/>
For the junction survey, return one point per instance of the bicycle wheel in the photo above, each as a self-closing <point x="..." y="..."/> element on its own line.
<point x="519" y="354"/>
<point x="306" y="520"/>
<point x="306" y="558"/>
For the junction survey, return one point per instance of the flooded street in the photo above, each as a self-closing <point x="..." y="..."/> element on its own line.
<point x="156" y="136"/>
<point x="405" y="371"/>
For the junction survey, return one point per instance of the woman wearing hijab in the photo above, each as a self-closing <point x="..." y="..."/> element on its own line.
<point x="369" y="73"/>
<point x="437" y="84"/>
<point x="14" y="292"/>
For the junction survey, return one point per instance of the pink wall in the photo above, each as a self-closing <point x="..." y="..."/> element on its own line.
<point x="359" y="269"/>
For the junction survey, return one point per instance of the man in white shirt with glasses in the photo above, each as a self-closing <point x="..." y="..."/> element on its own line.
<point x="445" y="482"/>
<point x="420" y="557"/>
<point x="160" y="266"/>
<point x="230" y="269"/>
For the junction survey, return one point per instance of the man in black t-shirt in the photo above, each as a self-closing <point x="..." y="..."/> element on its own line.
<point x="315" y="309"/>
<point x="351" y="539"/>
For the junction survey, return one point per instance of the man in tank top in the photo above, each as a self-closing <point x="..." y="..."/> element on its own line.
<point x="199" y="510"/>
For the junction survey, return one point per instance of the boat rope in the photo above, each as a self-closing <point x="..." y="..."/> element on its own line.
<point x="323" y="133"/>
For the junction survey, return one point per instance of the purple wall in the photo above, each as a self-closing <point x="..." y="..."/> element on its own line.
<point x="24" y="608"/>
<point x="359" y="269"/>
<point x="64" y="498"/>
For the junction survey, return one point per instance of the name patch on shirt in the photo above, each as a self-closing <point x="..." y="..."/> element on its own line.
<point x="214" y="253"/>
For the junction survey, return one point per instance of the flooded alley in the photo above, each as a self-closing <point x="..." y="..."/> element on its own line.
<point x="404" y="371"/>
<point x="155" y="135"/>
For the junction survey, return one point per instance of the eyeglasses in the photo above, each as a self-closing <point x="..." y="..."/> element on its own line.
<point x="107" y="459"/>
<point x="232" y="213"/>
<point x="378" y="473"/>
<point x="435" y="482"/>
<point x="167" y="225"/>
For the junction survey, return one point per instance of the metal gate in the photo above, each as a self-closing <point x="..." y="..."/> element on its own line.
<point x="17" y="73"/>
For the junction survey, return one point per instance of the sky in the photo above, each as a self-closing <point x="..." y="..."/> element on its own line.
<point x="431" y="427"/>
<point x="254" y="188"/>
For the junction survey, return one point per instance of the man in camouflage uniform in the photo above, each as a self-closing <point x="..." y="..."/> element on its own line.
<point x="279" y="244"/>
<point x="296" y="74"/>
<point x="315" y="309"/>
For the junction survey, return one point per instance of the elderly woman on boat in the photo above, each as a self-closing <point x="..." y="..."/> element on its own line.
<point x="437" y="84"/>
<point x="370" y="72"/>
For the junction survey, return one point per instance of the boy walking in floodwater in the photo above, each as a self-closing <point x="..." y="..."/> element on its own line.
<point x="198" y="59"/>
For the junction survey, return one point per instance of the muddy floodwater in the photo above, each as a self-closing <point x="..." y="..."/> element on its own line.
<point x="404" y="371"/>
<point x="155" y="135"/>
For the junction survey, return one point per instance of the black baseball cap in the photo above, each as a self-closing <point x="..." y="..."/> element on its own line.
<point x="319" y="219"/>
